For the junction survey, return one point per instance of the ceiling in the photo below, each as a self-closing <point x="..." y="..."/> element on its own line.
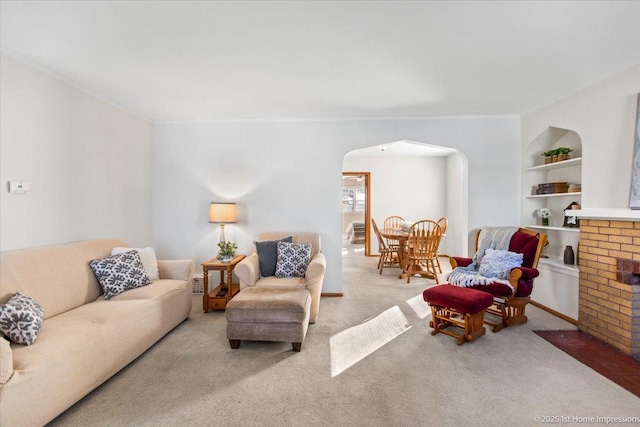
<point x="205" y="60"/>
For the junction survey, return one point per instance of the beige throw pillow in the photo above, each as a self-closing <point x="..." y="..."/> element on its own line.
<point x="148" y="258"/>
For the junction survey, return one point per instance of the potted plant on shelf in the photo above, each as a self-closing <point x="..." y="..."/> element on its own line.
<point x="563" y="153"/>
<point x="548" y="156"/>
<point x="544" y="214"/>
<point x="557" y="154"/>
<point x="226" y="251"/>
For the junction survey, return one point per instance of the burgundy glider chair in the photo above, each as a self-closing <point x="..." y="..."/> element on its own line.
<point x="507" y="304"/>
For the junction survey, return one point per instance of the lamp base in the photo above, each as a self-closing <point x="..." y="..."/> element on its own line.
<point x="222" y="238"/>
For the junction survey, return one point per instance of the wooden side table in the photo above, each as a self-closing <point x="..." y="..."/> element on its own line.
<point x="213" y="300"/>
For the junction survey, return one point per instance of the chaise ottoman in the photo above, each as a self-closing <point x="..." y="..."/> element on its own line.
<point x="268" y="314"/>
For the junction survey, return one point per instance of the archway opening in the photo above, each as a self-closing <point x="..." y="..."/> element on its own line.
<point x="415" y="181"/>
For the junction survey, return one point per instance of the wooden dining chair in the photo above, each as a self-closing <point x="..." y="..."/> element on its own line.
<point x="388" y="256"/>
<point x="443" y="223"/>
<point x="393" y="222"/>
<point x="422" y="249"/>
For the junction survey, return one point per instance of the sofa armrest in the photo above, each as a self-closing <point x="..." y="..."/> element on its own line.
<point x="178" y="269"/>
<point x="315" y="271"/>
<point x="6" y="363"/>
<point x="248" y="271"/>
<point x="314" y="276"/>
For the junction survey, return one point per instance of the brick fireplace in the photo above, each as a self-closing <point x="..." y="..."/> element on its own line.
<point x="609" y="298"/>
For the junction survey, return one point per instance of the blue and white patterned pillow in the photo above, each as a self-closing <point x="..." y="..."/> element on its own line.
<point x="293" y="259"/>
<point x="119" y="273"/>
<point x="498" y="263"/>
<point x="21" y="319"/>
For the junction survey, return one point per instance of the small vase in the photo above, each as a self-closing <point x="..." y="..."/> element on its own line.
<point x="569" y="256"/>
<point x="545" y="222"/>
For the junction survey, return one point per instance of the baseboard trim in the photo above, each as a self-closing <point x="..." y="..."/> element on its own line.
<point x="555" y="313"/>
<point x="331" y="294"/>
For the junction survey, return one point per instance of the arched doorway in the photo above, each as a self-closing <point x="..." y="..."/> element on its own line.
<point x="416" y="181"/>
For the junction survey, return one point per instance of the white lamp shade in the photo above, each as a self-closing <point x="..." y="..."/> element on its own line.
<point x="223" y="212"/>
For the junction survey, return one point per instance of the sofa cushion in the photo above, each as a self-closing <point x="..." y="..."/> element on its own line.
<point x="21" y="319"/>
<point x="268" y="255"/>
<point x="281" y="282"/>
<point x="119" y="273"/>
<point x="293" y="259"/>
<point x="148" y="258"/>
<point x="6" y="363"/>
<point x="62" y="280"/>
<point x="269" y="305"/>
<point x="499" y="263"/>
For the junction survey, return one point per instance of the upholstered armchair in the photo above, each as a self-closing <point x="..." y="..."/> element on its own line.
<point x="510" y="301"/>
<point x="249" y="269"/>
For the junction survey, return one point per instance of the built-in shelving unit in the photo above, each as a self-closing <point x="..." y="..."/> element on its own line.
<point x="557" y="286"/>
<point x="535" y="172"/>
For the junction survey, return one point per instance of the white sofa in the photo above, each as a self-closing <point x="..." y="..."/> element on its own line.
<point x="84" y="339"/>
<point x="248" y="270"/>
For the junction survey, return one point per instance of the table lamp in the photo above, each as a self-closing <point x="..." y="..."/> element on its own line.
<point x="223" y="213"/>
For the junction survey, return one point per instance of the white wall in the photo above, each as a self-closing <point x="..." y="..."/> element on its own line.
<point x="604" y="117"/>
<point x="457" y="239"/>
<point x="88" y="163"/>
<point x="286" y="175"/>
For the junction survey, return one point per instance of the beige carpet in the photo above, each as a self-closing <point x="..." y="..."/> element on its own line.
<point x="192" y="377"/>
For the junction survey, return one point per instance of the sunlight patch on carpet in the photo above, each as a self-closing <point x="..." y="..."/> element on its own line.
<point x="354" y="344"/>
<point x="419" y="305"/>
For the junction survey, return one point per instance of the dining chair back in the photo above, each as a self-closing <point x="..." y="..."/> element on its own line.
<point x="393" y="222"/>
<point x="388" y="255"/>
<point x="422" y="249"/>
<point x="443" y="223"/>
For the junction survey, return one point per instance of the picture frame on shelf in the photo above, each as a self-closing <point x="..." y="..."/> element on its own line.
<point x="570" y="220"/>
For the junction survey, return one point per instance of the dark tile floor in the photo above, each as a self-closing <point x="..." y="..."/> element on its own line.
<point x="602" y="358"/>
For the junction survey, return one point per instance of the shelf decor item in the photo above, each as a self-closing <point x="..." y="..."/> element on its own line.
<point x="544" y="214"/>
<point x="569" y="256"/>
<point x="557" y="154"/>
<point x="227" y="251"/>
<point x="570" y="220"/>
